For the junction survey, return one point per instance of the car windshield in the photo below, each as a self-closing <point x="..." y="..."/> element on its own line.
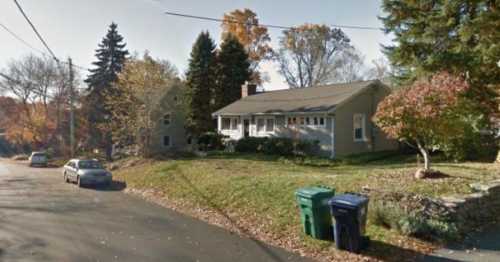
<point x="39" y="155"/>
<point x="89" y="164"/>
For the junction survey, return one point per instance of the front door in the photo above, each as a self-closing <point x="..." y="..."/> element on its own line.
<point x="246" y="127"/>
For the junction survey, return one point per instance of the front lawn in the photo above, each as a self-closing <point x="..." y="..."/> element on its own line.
<point x="254" y="194"/>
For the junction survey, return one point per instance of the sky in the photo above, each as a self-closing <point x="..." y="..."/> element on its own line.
<point x="74" y="28"/>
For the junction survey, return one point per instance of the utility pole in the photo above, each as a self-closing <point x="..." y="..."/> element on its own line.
<point x="72" y="109"/>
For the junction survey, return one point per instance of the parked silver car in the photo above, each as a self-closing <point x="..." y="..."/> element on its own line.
<point x="86" y="172"/>
<point x="38" y="159"/>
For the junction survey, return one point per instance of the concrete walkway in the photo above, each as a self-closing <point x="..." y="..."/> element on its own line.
<point x="482" y="247"/>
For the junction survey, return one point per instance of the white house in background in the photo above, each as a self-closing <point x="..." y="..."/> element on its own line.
<point x="338" y="116"/>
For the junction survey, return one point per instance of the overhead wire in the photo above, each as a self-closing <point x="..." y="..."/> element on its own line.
<point x="36" y="31"/>
<point x="206" y="18"/>
<point x="26" y="43"/>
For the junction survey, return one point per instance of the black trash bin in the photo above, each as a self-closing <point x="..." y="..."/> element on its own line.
<point x="349" y="212"/>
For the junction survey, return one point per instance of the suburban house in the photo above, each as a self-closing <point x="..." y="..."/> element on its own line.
<point x="338" y="116"/>
<point x="169" y="134"/>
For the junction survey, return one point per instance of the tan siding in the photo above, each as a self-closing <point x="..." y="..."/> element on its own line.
<point x="171" y="103"/>
<point x="364" y="103"/>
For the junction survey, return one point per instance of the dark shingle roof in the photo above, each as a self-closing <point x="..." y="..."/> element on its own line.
<point x="311" y="99"/>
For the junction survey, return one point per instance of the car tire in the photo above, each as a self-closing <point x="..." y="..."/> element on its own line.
<point x="78" y="182"/>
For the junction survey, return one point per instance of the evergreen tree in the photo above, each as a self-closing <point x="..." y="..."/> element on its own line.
<point x="111" y="56"/>
<point x="460" y="37"/>
<point x="233" y="70"/>
<point x="200" y="81"/>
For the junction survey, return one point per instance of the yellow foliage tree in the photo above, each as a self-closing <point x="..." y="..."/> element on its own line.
<point x="136" y="97"/>
<point x="244" y="25"/>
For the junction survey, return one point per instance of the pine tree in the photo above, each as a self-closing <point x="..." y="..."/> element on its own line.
<point x="233" y="70"/>
<point x="111" y="56"/>
<point x="200" y="81"/>
<point x="460" y="37"/>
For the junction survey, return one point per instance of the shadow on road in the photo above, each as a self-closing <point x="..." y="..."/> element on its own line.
<point x="115" y="186"/>
<point x="387" y="252"/>
<point x="272" y="255"/>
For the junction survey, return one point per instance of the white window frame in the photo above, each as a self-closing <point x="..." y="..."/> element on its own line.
<point x="169" y="141"/>
<point x="222" y="127"/>
<point x="267" y="122"/>
<point x="363" y="127"/>
<point x="264" y="129"/>
<point x="308" y="121"/>
<point x="167" y="116"/>
<point x="319" y="121"/>
<point x="234" y="123"/>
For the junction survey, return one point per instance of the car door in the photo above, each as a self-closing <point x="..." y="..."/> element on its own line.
<point x="67" y="170"/>
<point x="72" y="171"/>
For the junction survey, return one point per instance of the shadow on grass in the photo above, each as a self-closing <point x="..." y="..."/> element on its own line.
<point x="387" y="252"/>
<point x="458" y="166"/>
<point x="272" y="255"/>
<point x="382" y="158"/>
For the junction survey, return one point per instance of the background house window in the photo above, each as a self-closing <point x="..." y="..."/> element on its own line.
<point x="359" y="127"/>
<point x="166" y="141"/>
<point x="226" y="123"/>
<point x="315" y="122"/>
<point x="166" y="119"/>
<point x="270" y="124"/>
<point x="321" y="121"/>
<point x="308" y="121"/>
<point x="260" y="124"/>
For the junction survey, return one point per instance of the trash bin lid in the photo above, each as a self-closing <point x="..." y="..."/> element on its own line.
<point x="314" y="192"/>
<point x="348" y="200"/>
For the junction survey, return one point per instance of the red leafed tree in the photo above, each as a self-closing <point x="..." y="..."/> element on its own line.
<point x="429" y="113"/>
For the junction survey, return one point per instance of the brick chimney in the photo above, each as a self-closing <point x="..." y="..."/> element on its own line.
<point x="248" y="89"/>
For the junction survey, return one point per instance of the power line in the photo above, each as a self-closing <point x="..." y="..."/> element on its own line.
<point x="266" y="25"/>
<point x="41" y="38"/>
<point x="20" y="39"/>
<point x="36" y="31"/>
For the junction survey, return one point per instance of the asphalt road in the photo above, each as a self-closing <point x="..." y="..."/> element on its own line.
<point x="44" y="219"/>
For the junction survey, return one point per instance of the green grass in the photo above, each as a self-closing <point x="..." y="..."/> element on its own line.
<point x="259" y="190"/>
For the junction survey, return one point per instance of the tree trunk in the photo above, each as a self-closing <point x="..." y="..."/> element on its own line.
<point x="109" y="146"/>
<point x="425" y="154"/>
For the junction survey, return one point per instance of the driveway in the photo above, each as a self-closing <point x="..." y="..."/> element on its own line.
<point x="44" y="219"/>
<point x="480" y="246"/>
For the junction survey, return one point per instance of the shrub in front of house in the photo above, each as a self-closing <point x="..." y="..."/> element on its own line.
<point x="211" y="141"/>
<point x="249" y="144"/>
<point x="276" y="146"/>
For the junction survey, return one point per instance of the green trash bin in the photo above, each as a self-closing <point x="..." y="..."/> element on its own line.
<point x="315" y="211"/>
